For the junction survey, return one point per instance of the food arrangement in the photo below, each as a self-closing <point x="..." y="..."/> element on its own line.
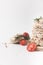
<point x="36" y="42"/>
<point x="24" y="39"/>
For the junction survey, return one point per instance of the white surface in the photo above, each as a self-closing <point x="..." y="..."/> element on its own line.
<point x="16" y="16"/>
<point x="18" y="55"/>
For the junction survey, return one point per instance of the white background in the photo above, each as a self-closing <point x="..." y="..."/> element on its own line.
<point x="17" y="16"/>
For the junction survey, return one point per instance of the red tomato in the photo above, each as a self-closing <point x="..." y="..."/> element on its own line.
<point x="25" y="34"/>
<point x="23" y="42"/>
<point x="32" y="46"/>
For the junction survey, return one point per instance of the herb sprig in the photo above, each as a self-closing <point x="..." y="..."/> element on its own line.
<point x="37" y="19"/>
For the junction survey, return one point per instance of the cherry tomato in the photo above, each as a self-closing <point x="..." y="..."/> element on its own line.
<point x="23" y="42"/>
<point x="31" y="46"/>
<point x="25" y="34"/>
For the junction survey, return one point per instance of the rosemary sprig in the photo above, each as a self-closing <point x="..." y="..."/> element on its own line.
<point x="37" y="19"/>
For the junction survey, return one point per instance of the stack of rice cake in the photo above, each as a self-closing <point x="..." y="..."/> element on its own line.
<point x="37" y="31"/>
